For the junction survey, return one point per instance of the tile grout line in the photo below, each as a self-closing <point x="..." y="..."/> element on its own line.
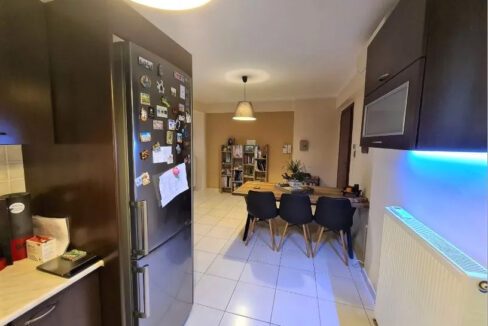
<point x="276" y="284"/>
<point x="235" y="287"/>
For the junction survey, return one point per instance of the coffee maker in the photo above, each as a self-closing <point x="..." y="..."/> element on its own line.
<point x="15" y="226"/>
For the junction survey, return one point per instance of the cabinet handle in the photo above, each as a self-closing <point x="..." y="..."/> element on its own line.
<point x="377" y="142"/>
<point x="36" y="319"/>
<point x="383" y="77"/>
<point x="3" y="133"/>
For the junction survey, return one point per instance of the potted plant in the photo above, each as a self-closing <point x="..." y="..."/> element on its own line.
<point x="295" y="173"/>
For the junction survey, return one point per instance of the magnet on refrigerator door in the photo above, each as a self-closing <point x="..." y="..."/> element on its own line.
<point x="165" y="102"/>
<point x="160" y="86"/>
<point x="161" y="111"/>
<point x="143" y="114"/>
<point x="145" y="99"/>
<point x="171" y="124"/>
<point x="151" y="112"/>
<point x="182" y="92"/>
<point x="145" y="81"/>
<point x="156" y="147"/>
<point x="169" y="137"/>
<point x="146" y="63"/>
<point x="179" y="76"/>
<point x="145" y="136"/>
<point x="144" y="155"/>
<point x="143" y="180"/>
<point x="158" y="124"/>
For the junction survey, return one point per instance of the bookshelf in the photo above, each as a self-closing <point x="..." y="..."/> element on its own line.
<point x="242" y="163"/>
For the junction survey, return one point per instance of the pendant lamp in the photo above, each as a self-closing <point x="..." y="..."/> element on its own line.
<point x="172" y="4"/>
<point x="244" y="109"/>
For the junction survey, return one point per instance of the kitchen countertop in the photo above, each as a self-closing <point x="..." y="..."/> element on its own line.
<point x="22" y="287"/>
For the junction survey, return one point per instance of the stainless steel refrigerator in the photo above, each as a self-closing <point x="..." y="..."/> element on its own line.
<point x="153" y="111"/>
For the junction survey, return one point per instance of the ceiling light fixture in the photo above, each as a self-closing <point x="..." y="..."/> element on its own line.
<point x="172" y="4"/>
<point x="244" y="110"/>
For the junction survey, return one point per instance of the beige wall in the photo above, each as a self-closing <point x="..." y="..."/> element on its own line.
<point x="199" y="157"/>
<point x="11" y="169"/>
<point x="317" y="121"/>
<point x="272" y="128"/>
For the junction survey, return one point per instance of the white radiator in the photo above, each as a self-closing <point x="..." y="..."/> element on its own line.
<point x="424" y="280"/>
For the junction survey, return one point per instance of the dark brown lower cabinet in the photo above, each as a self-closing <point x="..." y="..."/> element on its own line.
<point x="78" y="305"/>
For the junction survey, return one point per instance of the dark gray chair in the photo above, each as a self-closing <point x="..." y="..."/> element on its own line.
<point x="334" y="214"/>
<point x="261" y="205"/>
<point x="296" y="209"/>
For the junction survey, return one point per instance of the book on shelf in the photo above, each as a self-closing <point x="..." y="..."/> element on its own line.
<point x="237" y="151"/>
<point x="260" y="166"/>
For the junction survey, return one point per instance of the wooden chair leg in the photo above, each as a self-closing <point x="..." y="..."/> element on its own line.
<point x="305" y="235"/>
<point x="309" y="240"/>
<point x="283" y="236"/>
<point x="251" y="230"/>
<point x="271" y="232"/>
<point x="321" y="232"/>
<point x="344" y="250"/>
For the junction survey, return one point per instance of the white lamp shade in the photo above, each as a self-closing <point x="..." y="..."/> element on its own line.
<point x="173" y="4"/>
<point x="244" y="111"/>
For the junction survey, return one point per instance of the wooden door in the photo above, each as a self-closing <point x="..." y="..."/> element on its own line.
<point x="345" y="140"/>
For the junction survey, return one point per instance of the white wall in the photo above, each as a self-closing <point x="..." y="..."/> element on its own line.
<point x="448" y="195"/>
<point x="318" y="122"/>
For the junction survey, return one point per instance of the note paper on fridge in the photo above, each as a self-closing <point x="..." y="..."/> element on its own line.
<point x="172" y="183"/>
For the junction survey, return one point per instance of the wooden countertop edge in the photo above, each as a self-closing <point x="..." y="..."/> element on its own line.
<point x="55" y="290"/>
<point x="357" y="202"/>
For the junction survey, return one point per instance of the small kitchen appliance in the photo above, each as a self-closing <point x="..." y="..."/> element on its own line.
<point x="15" y="225"/>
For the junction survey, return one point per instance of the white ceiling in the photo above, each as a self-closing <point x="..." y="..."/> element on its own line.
<point x="308" y="48"/>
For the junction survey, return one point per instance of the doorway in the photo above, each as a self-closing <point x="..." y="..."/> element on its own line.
<point x="345" y="141"/>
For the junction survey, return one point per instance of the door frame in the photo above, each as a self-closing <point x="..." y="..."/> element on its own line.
<point x="346" y="124"/>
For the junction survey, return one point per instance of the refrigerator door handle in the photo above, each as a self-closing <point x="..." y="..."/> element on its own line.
<point x="146" y="304"/>
<point x="142" y="237"/>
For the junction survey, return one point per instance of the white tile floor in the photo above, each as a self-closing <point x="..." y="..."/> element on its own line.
<point x="238" y="285"/>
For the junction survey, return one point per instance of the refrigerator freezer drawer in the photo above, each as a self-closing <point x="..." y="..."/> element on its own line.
<point x="163" y="283"/>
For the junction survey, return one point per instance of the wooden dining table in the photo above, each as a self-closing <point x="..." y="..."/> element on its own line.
<point x="277" y="190"/>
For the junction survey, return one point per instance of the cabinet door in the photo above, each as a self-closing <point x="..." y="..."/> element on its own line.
<point x="399" y="42"/>
<point x="453" y="115"/>
<point x="25" y="92"/>
<point x="78" y="305"/>
<point x="391" y="112"/>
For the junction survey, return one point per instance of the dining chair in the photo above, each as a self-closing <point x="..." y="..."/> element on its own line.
<point x="296" y="209"/>
<point x="334" y="214"/>
<point x="261" y="205"/>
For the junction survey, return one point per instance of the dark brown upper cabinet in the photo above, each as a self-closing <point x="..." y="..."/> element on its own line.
<point x="434" y="96"/>
<point x="25" y="91"/>
<point x="398" y="43"/>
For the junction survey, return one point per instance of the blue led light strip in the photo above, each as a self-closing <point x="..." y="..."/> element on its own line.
<point x="461" y="157"/>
